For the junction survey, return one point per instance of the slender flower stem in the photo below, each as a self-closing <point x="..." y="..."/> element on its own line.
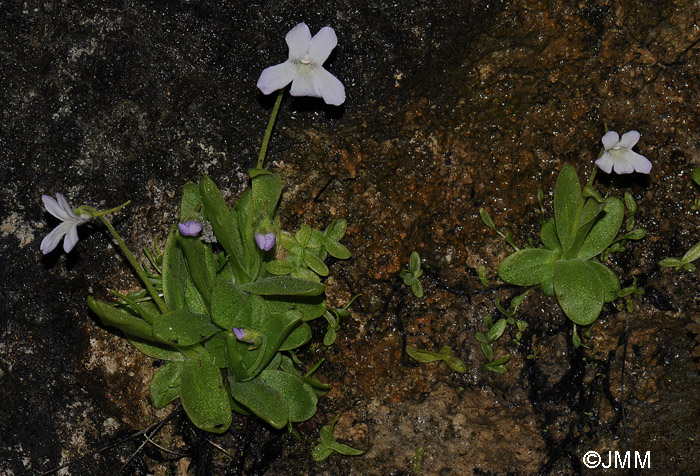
<point x="134" y="264"/>
<point x="268" y="131"/>
<point x="593" y="174"/>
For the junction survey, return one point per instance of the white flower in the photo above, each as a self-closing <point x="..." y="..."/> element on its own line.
<point x="619" y="155"/>
<point x="62" y="210"/>
<point x="304" y="68"/>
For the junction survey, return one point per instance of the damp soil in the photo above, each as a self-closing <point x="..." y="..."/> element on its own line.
<point x="451" y="107"/>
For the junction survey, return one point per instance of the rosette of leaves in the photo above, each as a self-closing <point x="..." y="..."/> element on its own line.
<point x="210" y="288"/>
<point x="584" y="225"/>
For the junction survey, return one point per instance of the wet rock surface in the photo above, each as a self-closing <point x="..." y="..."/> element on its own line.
<point x="452" y="106"/>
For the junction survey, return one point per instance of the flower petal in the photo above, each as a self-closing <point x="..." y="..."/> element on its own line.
<point x="621" y="163"/>
<point x="610" y="140"/>
<point x="640" y="163"/>
<point x="305" y="82"/>
<point x="50" y="241"/>
<point x="319" y="83"/>
<point x="332" y="90"/>
<point x="276" y="77"/>
<point x="298" y="40"/>
<point x="71" y="237"/>
<point x="629" y="139"/>
<point x="65" y="205"/>
<point x="54" y="208"/>
<point x="321" y="46"/>
<point x="605" y="162"/>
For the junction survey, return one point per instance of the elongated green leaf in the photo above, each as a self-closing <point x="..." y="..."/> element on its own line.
<point x="299" y="336"/>
<point x="608" y="279"/>
<point x="336" y="249"/>
<point x="528" y="267"/>
<point x="548" y="235"/>
<point x="579" y="290"/>
<point x="568" y="202"/>
<point x="497" y="330"/>
<point x="229" y="304"/>
<point x="174" y="273"/>
<point x="283" y="286"/>
<point x="604" y="230"/>
<point x="692" y="254"/>
<point x="191" y="201"/>
<point x="695" y="175"/>
<point x="301" y="399"/>
<point x="280" y="267"/>
<point x="204" y="396"/>
<point x="336" y="230"/>
<point x="224" y="225"/>
<point x="263" y="400"/>
<point x="155" y="350"/>
<point x="127" y="323"/>
<point x="184" y="328"/>
<point x="200" y="264"/>
<point x="165" y="385"/>
<point x="315" y="264"/>
<point x="590" y="215"/>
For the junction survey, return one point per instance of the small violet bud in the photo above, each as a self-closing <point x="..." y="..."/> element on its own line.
<point x="265" y="241"/>
<point x="246" y="335"/>
<point x="189" y="228"/>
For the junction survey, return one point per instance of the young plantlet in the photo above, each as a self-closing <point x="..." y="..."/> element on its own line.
<point x="444" y="355"/>
<point x="327" y="444"/>
<point x="410" y="276"/>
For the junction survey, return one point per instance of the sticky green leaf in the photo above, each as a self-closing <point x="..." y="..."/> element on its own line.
<point x="183" y="328"/>
<point x="568" y="203"/>
<point x="165" y="385"/>
<point x="204" y="396"/>
<point x="283" y="286"/>
<point x="229" y="303"/>
<point x="528" y="267"/>
<point x="579" y="291"/>
<point x="604" y="230"/>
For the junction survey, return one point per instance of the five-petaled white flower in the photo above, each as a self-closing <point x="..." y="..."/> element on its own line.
<point x="61" y="209"/>
<point x="619" y="155"/>
<point x="304" y="68"/>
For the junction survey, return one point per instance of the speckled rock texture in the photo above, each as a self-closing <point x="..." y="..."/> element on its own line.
<point x="451" y="106"/>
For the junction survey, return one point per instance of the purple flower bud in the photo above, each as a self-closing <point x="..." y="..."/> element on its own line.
<point x="245" y="335"/>
<point x="265" y="241"/>
<point x="189" y="228"/>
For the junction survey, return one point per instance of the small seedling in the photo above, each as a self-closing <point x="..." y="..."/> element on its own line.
<point x="444" y="355"/>
<point x="410" y="276"/>
<point x="327" y="444"/>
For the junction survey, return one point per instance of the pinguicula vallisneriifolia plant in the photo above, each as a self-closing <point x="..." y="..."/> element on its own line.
<point x="576" y="241"/>
<point x="223" y="306"/>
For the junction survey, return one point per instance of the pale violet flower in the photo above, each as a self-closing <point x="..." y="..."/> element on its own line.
<point x="60" y="208"/>
<point x="304" y="68"/>
<point x="620" y="157"/>
<point x="189" y="228"/>
<point x="265" y="241"/>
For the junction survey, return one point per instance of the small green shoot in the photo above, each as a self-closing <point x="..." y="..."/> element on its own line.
<point x="327" y="444"/>
<point x="444" y="355"/>
<point x="410" y="276"/>
<point x="481" y="271"/>
<point x="418" y="460"/>
<point x="493" y="333"/>
<point x="508" y="236"/>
